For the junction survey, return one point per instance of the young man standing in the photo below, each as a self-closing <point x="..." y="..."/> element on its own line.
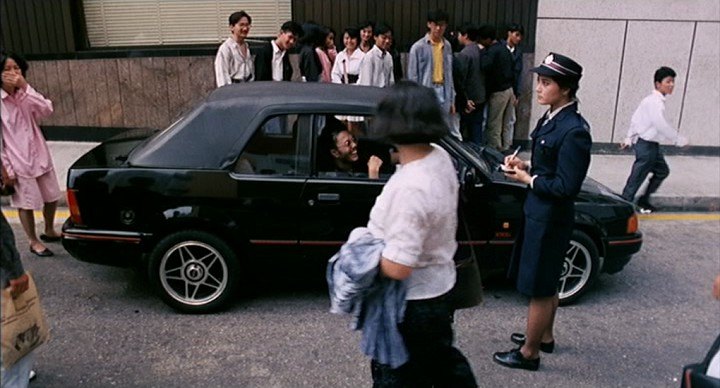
<point x="649" y="127"/>
<point x="272" y="62"/>
<point x="469" y="84"/>
<point x="514" y="35"/>
<point x="233" y="62"/>
<point x="497" y="63"/>
<point x="430" y="63"/>
<point x="376" y="68"/>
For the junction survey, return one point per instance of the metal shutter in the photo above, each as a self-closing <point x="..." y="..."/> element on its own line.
<point x="112" y="23"/>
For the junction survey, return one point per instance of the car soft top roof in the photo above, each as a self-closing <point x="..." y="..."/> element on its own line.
<point x="212" y="134"/>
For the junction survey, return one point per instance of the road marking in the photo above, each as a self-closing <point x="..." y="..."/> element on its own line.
<point x="680" y="217"/>
<point x="12" y="214"/>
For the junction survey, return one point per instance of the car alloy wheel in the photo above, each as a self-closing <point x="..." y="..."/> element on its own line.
<point x="193" y="271"/>
<point x="580" y="268"/>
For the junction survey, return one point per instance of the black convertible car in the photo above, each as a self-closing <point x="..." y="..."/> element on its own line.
<point x="241" y="180"/>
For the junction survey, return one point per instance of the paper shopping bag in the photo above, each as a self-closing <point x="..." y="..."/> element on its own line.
<point x="23" y="324"/>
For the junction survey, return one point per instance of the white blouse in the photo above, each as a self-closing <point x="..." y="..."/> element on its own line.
<point x="416" y="215"/>
<point x="346" y="64"/>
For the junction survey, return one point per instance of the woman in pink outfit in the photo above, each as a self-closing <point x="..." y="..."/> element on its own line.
<point x="26" y="162"/>
<point x="327" y="52"/>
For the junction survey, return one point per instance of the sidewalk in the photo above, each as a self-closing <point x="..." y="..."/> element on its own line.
<point x="693" y="184"/>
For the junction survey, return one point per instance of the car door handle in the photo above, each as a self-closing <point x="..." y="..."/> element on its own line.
<point x="328" y="197"/>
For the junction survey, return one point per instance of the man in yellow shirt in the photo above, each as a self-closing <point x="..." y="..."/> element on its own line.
<point x="430" y="64"/>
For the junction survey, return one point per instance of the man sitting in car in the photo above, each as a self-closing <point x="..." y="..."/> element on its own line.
<point x="339" y="153"/>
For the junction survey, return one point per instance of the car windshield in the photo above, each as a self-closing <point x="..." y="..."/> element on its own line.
<point x="484" y="158"/>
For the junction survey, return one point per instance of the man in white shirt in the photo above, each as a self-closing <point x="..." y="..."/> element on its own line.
<point x="376" y="68"/>
<point x="648" y="128"/>
<point x="233" y="62"/>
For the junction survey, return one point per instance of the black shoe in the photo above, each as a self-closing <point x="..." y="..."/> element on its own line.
<point x="44" y="253"/>
<point x="545" y="347"/>
<point x="46" y="238"/>
<point x="515" y="359"/>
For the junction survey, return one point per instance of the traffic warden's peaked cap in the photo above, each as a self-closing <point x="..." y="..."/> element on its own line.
<point x="557" y="65"/>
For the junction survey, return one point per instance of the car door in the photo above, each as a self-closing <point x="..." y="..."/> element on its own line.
<point x="269" y="176"/>
<point x="335" y="202"/>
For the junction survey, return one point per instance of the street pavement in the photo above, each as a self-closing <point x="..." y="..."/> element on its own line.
<point x="693" y="184"/>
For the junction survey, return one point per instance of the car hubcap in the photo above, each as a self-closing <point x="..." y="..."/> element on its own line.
<point x="193" y="273"/>
<point x="576" y="270"/>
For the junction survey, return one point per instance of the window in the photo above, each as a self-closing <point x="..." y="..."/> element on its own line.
<point x="281" y="147"/>
<point x="113" y="23"/>
<point x="344" y="151"/>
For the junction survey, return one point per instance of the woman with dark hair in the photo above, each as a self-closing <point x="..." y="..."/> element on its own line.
<point x="347" y="63"/>
<point x="561" y="145"/>
<point x="416" y="217"/>
<point x="310" y="65"/>
<point x="26" y="162"/>
<point x="326" y="52"/>
<point x="366" y="35"/>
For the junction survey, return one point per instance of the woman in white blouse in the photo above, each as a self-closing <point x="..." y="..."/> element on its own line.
<point x="416" y="217"/>
<point x="347" y="63"/>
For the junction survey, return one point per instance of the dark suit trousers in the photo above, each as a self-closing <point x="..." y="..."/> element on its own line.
<point x="648" y="159"/>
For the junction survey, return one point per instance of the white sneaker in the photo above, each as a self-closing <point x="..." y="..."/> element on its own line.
<point x="32" y="376"/>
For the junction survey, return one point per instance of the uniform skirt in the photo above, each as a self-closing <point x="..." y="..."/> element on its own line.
<point x="537" y="261"/>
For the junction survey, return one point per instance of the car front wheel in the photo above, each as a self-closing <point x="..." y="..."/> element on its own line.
<point x="194" y="271"/>
<point x="580" y="268"/>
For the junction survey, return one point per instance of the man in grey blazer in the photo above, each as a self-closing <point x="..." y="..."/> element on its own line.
<point x="469" y="84"/>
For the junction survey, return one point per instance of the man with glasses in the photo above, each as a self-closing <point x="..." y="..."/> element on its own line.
<point x="233" y="62"/>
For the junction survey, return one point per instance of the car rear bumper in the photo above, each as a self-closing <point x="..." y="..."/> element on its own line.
<point x="115" y="248"/>
<point x="619" y="251"/>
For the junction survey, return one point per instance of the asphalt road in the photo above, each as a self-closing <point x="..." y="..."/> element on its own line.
<point x="634" y="329"/>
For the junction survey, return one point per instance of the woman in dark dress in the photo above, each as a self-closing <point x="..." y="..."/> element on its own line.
<point x="561" y="145"/>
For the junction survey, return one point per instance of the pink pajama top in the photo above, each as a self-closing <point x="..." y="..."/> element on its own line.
<point x="25" y="152"/>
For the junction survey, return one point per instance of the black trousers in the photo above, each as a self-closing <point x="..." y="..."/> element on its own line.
<point x="434" y="361"/>
<point x="648" y="159"/>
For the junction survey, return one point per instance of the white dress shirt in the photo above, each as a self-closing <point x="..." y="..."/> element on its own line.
<point x="277" y="62"/>
<point x="231" y="64"/>
<point x="649" y="123"/>
<point x="376" y="68"/>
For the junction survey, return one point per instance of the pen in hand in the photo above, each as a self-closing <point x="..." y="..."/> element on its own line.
<point x="514" y="154"/>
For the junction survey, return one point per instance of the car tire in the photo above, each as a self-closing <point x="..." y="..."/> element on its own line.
<point x="194" y="271"/>
<point x="580" y="268"/>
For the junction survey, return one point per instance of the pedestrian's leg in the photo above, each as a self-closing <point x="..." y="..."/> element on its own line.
<point x="494" y="121"/>
<point x="548" y="335"/>
<point x="27" y="220"/>
<point x="660" y="170"/>
<point x="475" y="124"/>
<point x="509" y="122"/>
<point x="49" y="210"/>
<point x="539" y="321"/>
<point x="644" y="160"/>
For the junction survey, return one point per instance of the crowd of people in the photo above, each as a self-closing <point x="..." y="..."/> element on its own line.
<point x="469" y="93"/>
<point x="478" y="86"/>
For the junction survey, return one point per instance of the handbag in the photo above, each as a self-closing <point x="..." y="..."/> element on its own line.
<point x="23" y="324"/>
<point x="467" y="291"/>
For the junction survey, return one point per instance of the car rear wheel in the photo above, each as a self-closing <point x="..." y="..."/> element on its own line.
<point x="580" y="268"/>
<point x="194" y="271"/>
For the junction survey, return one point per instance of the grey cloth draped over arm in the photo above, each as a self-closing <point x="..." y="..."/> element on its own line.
<point x="377" y="303"/>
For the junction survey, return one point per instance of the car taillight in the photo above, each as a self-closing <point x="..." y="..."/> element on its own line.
<point x="74" y="208"/>
<point x="632" y="224"/>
